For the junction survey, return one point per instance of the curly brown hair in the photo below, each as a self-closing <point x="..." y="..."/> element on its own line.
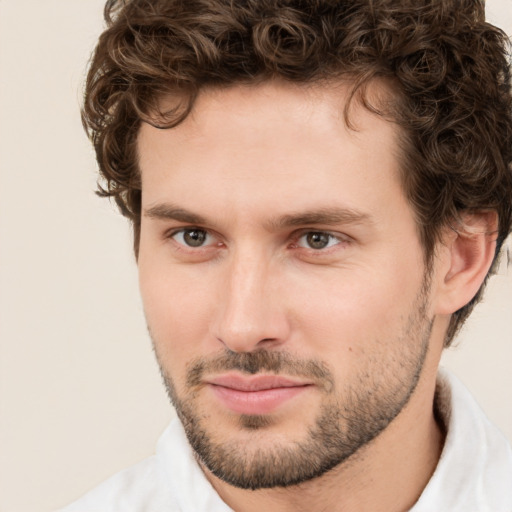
<point x="449" y="69"/>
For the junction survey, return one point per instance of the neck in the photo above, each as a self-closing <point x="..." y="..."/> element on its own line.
<point x="388" y="474"/>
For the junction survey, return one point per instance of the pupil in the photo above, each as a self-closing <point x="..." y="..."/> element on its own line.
<point x="318" y="240"/>
<point x="194" y="238"/>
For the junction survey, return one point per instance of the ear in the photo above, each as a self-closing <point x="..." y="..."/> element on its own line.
<point x="466" y="254"/>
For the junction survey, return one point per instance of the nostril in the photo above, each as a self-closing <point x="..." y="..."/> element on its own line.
<point x="246" y="343"/>
<point x="267" y="340"/>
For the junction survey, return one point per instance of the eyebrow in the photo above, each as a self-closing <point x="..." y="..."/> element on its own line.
<point x="322" y="216"/>
<point x="170" y="212"/>
<point x="325" y="216"/>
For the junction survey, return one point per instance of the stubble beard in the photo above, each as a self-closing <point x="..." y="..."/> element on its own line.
<point x="348" y="419"/>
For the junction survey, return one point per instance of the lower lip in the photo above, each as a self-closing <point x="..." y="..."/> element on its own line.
<point x="259" y="402"/>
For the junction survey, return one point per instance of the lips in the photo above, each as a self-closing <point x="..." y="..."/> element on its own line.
<point x="256" y="395"/>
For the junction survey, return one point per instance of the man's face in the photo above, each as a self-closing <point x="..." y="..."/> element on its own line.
<point x="282" y="279"/>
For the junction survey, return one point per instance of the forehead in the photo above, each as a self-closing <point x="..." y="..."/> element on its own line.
<point x="324" y="106"/>
<point x="281" y="145"/>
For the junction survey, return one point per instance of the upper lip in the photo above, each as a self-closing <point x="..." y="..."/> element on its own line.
<point x="254" y="382"/>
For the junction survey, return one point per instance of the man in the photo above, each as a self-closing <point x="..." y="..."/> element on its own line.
<point x="318" y="190"/>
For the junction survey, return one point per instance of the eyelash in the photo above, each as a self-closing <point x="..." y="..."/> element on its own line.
<point x="341" y="240"/>
<point x="331" y="237"/>
<point x="190" y="250"/>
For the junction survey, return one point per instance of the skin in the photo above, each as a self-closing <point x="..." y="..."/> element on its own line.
<point x="255" y="169"/>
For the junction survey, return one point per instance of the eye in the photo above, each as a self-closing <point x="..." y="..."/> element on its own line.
<point x="317" y="240"/>
<point x="193" y="237"/>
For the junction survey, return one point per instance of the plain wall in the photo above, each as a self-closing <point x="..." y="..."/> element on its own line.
<point x="80" y="393"/>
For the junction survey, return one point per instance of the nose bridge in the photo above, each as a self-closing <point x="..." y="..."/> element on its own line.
<point x="246" y="278"/>
<point x="248" y="314"/>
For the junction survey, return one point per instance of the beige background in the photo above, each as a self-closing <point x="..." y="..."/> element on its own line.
<point x="80" y="395"/>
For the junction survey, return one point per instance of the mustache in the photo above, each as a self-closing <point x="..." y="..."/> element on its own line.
<point x="251" y="363"/>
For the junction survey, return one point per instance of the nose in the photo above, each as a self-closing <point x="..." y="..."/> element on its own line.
<point x="251" y="312"/>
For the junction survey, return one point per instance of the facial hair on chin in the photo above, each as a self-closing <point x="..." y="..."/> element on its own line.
<point x="348" y="418"/>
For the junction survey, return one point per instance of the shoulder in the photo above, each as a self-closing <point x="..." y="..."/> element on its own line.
<point x="146" y="486"/>
<point x="475" y="468"/>
<point x="135" y="489"/>
<point x="171" y="480"/>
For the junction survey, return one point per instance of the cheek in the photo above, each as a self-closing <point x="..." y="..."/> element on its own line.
<point x="352" y="311"/>
<point x="177" y="307"/>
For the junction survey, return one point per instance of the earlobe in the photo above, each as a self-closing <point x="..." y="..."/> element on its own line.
<point x="468" y="254"/>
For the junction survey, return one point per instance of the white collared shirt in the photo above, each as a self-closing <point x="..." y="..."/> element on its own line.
<point x="474" y="473"/>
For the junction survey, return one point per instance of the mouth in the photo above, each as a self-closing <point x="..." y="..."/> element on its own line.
<point x="255" y="395"/>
